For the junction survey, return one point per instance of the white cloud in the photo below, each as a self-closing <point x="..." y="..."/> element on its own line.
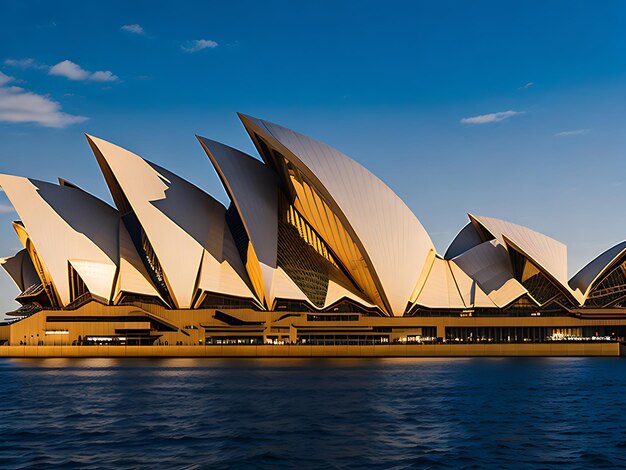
<point x="199" y="44"/>
<point x="6" y="209"/>
<point x="574" y="132"/>
<point x="65" y="68"/>
<point x="69" y="69"/>
<point x="492" y="117"/>
<point x="26" y="63"/>
<point x="72" y="71"/>
<point x="20" y="105"/>
<point x="527" y="85"/>
<point x="103" y="76"/>
<point x="133" y="28"/>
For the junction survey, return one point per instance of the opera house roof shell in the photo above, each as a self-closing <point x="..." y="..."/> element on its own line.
<point x="307" y="228"/>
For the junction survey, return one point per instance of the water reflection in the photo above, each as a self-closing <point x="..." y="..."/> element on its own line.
<point x="345" y="413"/>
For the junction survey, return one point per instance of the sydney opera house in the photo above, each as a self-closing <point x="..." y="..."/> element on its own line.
<point x="312" y="249"/>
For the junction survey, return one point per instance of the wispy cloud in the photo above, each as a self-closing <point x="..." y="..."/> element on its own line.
<point x="571" y="133"/>
<point x="527" y="86"/>
<point x="6" y="209"/>
<point x="103" y="76"/>
<point x="133" y="28"/>
<point x="50" y="24"/>
<point x="198" y="45"/>
<point x="20" y="105"/>
<point x="492" y="117"/>
<point x="65" y="68"/>
<point x="26" y="63"/>
<point x="4" y="79"/>
<point x="73" y="71"/>
<point x="69" y="69"/>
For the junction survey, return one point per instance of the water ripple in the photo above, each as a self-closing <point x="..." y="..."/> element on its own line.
<point x="291" y="413"/>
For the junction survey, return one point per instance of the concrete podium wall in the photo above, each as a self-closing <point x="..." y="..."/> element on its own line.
<point x="395" y="350"/>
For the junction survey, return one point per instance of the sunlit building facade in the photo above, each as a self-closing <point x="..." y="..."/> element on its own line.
<point x="312" y="249"/>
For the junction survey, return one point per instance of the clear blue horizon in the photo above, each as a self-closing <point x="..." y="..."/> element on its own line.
<point x="513" y="110"/>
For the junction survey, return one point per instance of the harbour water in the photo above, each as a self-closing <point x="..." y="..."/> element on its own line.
<point x="313" y="413"/>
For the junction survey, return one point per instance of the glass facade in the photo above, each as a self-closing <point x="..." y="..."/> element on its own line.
<point x="77" y="286"/>
<point x="147" y="253"/>
<point x="52" y="298"/>
<point x="136" y="299"/>
<point x="291" y="306"/>
<point x="522" y="307"/>
<point x="303" y="264"/>
<point x="346" y="305"/>
<point x="342" y="340"/>
<point x="540" y="287"/>
<point x="227" y="301"/>
<point x="326" y="317"/>
<point x="235" y="224"/>
<point x="611" y="290"/>
<point x="233" y="340"/>
<point x="504" y="334"/>
<point x="309" y="235"/>
<point x="533" y="334"/>
<point x="306" y="258"/>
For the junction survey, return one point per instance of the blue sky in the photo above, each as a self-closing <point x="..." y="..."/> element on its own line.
<point x="505" y="109"/>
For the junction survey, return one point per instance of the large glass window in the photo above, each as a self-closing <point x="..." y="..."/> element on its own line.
<point x="610" y="290"/>
<point x="540" y="287"/>
<point x="306" y="258"/>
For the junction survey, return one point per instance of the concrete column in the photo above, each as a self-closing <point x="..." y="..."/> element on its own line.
<point x="441" y="331"/>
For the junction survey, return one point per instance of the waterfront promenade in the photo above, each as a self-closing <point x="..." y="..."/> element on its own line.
<point x="556" y="349"/>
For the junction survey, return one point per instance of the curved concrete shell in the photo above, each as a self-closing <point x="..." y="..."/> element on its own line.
<point x="132" y="277"/>
<point x="68" y="227"/>
<point x="585" y="279"/>
<point x="448" y="287"/>
<point x="440" y="290"/>
<point x="489" y="265"/>
<point x="376" y="236"/>
<point x="283" y="288"/>
<point x="20" y="268"/>
<point x="337" y="292"/>
<point x="472" y="294"/>
<point x="466" y="239"/>
<point x="252" y="187"/>
<point x="551" y="254"/>
<point x="307" y="229"/>
<point x="184" y="227"/>
<point x="545" y="253"/>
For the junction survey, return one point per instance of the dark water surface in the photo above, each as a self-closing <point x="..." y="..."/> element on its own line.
<point x="275" y="413"/>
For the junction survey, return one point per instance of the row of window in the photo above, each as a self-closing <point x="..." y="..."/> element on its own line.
<point x="533" y="334"/>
